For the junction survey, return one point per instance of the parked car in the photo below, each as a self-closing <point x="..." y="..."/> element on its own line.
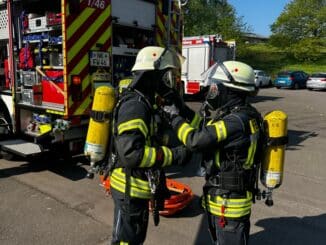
<point x="317" y="81"/>
<point x="291" y="79"/>
<point x="262" y="79"/>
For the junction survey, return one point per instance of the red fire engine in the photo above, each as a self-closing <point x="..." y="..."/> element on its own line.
<point x="201" y="52"/>
<point x="59" y="51"/>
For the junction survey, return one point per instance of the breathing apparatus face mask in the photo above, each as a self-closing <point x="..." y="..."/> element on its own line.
<point x="167" y="83"/>
<point x="216" y="95"/>
<point x="167" y="64"/>
<point x="168" y="79"/>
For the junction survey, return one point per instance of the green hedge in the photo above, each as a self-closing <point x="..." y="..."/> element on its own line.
<point x="273" y="60"/>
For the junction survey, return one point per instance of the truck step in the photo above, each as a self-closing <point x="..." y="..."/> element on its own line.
<point x="21" y="147"/>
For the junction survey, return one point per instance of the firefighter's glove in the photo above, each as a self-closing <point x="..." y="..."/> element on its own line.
<point x="174" y="97"/>
<point x="181" y="155"/>
<point x="171" y="111"/>
<point x="204" y="110"/>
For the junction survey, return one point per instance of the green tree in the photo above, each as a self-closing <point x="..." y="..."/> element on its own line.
<point x="307" y="50"/>
<point x="301" y="29"/>
<point x="212" y="17"/>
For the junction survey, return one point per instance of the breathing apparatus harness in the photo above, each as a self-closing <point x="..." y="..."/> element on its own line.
<point x="231" y="179"/>
<point x="156" y="176"/>
<point x="238" y="179"/>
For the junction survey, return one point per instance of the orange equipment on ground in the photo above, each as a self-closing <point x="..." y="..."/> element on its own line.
<point x="181" y="196"/>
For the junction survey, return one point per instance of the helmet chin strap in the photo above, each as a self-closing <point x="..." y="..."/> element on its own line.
<point x="230" y="103"/>
<point x="227" y="100"/>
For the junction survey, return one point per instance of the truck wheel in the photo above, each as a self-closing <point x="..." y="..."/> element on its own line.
<point x="5" y="127"/>
<point x="7" y="156"/>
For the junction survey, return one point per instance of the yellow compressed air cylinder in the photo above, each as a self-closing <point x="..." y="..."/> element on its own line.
<point x="273" y="162"/>
<point x="98" y="129"/>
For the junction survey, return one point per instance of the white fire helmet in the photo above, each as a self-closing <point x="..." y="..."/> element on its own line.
<point x="157" y="58"/>
<point x="235" y="74"/>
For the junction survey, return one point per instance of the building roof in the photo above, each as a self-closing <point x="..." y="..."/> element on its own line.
<point x="254" y="38"/>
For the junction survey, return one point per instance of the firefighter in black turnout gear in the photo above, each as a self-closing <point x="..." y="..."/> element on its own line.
<point x="137" y="174"/>
<point x="230" y="143"/>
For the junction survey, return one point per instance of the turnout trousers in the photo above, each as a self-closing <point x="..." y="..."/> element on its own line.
<point x="130" y="220"/>
<point x="234" y="232"/>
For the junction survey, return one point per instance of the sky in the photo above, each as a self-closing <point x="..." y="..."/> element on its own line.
<point x="259" y="14"/>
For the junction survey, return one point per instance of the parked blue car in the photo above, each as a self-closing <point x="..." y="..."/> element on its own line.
<point x="291" y="79"/>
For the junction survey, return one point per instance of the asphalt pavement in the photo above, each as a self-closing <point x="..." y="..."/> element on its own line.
<point x="51" y="202"/>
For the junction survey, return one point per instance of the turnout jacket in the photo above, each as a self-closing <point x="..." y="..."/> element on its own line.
<point x="230" y="146"/>
<point x="136" y="145"/>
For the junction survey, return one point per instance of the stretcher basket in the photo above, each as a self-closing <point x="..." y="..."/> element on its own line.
<point x="181" y="196"/>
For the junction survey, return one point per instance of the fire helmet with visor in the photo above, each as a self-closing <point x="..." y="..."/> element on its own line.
<point x="229" y="80"/>
<point x="154" y="58"/>
<point x="236" y="75"/>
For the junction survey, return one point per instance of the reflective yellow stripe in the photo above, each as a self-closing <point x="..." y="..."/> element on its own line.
<point x="231" y="202"/>
<point x="138" y="188"/>
<point x="220" y="130"/>
<point x="87" y="33"/>
<point x="124" y="83"/>
<point x="253" y="144"/>
<point x="139" y="183"/>
<point x="234" y="208"/>
<point x="167" y="156"/>
<point x="160" y="39"/>
<point x="132" y="125"/>
<point x="55" y="112"/>
<point x="195" y="121"/>
<point x="86" y="103"/>
<point x="231" y="213"/>
<point x="251" y="151"/>
<point x="217" y="158"/>
<point x="124" y="243"/>
<point x="253" y="126"/>
<point x="149" y="157"/>
<point x="134" y="192"/>
<point x="183" y="132"/>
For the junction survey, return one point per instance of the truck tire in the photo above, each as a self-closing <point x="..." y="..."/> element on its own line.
<point x="7" y="156"/>
<point x="5" y="124"/>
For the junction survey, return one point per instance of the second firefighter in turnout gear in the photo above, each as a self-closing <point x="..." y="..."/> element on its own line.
<point x="137" y="174"/>
<point x="230" y="142"/>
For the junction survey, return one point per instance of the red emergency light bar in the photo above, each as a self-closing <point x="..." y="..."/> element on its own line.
<point x="192" y="42"/>
<point x="198" y="40"/>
